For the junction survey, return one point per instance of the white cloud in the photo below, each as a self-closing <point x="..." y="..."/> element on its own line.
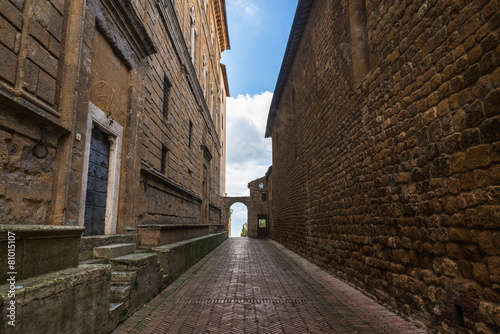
<point x="246" y="11"/>
<point x="248" y="152"/>
<point x="251" y="9"/>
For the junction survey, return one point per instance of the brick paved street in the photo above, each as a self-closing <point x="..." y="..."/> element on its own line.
<point x="257" y="286"/>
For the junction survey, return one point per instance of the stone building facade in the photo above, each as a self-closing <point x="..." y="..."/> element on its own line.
<point x="386" y="153"/>
<point x="112" y="113"/>
<point x="258" y="208"/>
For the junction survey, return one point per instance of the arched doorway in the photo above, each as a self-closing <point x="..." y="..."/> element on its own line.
<point x="238" y="217"/>
<point x="227" y="203"/>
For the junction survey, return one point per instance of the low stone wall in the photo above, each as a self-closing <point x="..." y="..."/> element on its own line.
<point x="178" y="257"/>
<point x="158" y="235"/>
<point x="74" y="300"/>
<point x="36" y="249"/>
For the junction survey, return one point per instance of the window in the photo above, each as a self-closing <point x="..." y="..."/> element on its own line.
<point x="190" y="133"/>
<point x="211" y="99"/>
<point x="166" y="95"/>
<point x="264" y="197"/>
<point x="192" y="32"/>
<point x="204" y="74"/>
<point x="164" y="160"/>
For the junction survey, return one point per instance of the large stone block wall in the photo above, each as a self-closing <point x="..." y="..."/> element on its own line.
<point x="392" y="183"/>
<point x="29" y="75"/>
<point x="115" y="56"/>
<point x="175" y="196"/>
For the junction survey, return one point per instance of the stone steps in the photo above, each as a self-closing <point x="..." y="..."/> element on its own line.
<point x="112" y="251"/>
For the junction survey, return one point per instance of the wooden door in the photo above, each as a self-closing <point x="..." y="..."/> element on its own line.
<point x="97" y="184"/>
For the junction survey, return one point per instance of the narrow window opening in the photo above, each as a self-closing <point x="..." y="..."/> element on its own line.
<point x="166" y="96"/>
<point x="192" y="32"/>
<point x="459" y="316"/>
<point x="264" y="197"/>
<point x="190" y="133"/>
<point x="164" y="160"/>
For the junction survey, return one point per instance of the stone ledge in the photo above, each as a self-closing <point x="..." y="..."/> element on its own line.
<point x="38" y="248"/>
<point x="158" y="234"/>
<point x="40" y="231"/>
<point x="178" y="257"/>
<point x="90" y="242"/>
<point x="113" y="251"/>
<point x="52" y="303"/>
<point x="133" y="261"/>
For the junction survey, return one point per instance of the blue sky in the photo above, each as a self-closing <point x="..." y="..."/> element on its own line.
<point x="258" y="33"/>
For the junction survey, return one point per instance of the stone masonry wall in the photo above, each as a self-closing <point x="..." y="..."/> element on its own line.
<point x="66" y="69"/>
<point x="393" y="182"/>
<point x="175" y="195"/>
<point x="30" y="52"/>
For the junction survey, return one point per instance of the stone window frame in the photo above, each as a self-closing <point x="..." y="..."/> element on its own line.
<point x="192" y="32"/>
<point x="205" y="74"/>
<point x="167" y="88"/>
<point x="98" y="118"/>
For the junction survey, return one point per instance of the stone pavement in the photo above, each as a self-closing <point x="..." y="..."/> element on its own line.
<point x="257" y="286"/>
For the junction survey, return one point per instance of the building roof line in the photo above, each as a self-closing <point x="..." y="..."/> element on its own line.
<point x="296" y="32"/>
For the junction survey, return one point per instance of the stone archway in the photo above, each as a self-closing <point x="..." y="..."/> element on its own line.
<point x="227" y="202"/>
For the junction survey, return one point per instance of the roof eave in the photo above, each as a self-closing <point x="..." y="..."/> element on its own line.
<point x="298" y="27"/>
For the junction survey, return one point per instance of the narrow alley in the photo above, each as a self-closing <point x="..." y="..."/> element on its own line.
<point x="251" y="285"/>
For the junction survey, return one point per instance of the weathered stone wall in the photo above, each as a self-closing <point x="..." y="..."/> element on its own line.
<point x="256" y="206"/>
<point x="176" y="195"/>
<point x="392" y="182"/>
<point x="107" y="64"/>
<point x="29" y="102"/>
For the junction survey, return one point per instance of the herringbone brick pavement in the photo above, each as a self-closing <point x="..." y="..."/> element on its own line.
<point x="257" y="286"/>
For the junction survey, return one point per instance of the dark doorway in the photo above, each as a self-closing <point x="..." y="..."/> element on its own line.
<point x="262" y="226"/>
<point x="97" y="184"/>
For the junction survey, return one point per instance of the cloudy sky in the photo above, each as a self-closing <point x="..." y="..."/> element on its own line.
<point x="258" y="33"/>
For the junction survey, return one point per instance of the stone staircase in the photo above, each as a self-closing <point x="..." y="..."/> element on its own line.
<point x="136" y="277"/>
<point x="140" y="270"/>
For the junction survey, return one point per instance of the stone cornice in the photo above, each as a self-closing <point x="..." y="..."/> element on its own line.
<point x="221" y="18"/>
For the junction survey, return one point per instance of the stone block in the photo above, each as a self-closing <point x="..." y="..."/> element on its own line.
<point x="89" y="243"/>
<point x="9" y="64"/>
<point x="38" y="248"/>
<point x="55" y="302"/>
<point x="12" y="14"/>
<point x="494" y="268"/>
<point x="478" y="156"/>
<point x="158" y="235"/>
<point x="42" y="57"/>
<point x="119" y="293"/>
<point x="490" y="130"/>
<point x="148" y="280"/>
<point x="31" y="76"/>
<point x="46" y="87"/>
<point x="123" y="277"/>
<point x="492" y="103"/>
<point x="112" y="251"/>
<point x="8" y="34"/>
